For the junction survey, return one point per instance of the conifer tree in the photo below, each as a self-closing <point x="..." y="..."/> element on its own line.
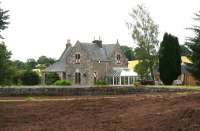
<point x="169" y="59"/>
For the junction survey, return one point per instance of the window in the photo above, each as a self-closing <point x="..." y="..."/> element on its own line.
<point x="64" y="75"/>
<point x="77" y="78"/>
<point x="77" y="58"/>
<point x="118" y="58"/>
<point x="95" y="77"/>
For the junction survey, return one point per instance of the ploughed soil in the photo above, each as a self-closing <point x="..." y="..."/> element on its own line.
<point x="139" y="112"/>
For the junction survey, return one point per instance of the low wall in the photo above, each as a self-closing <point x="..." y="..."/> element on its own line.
<point x="80" y="91"/>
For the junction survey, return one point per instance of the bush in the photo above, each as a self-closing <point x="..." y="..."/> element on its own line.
<point x="198" y="83"/>
<point x="51" y="78"/>
<point x="101" y="82"/>
<point x="63" y="82"/>
<point x="30" y="78"/>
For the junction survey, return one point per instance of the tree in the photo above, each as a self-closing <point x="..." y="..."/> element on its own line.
<point x="43" y="60"/>
<point x="194" y="45"/>
<point x="19" y="65"/>
<point x="30" y="78"/>
<point x="169" y="59"/>
<point x="3" y="20"/>
<point x="51" y="78"/>
<point x="30" y="64"/>
<point x="184" y="50"/>
<point x="140" y="68"/>
<point x="4" y="53"/>
<point x="5" y="70"/>
<point x="145" y="34"/>
<point x="128" y="52"/>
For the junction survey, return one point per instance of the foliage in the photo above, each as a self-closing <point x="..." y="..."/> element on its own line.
<point x="3" y="20"/>
<point x="198" y="83"/>
<point x="30" y="78"/>
<point x="169" y="59"/>
<point x="51" y="78"/>
<point x="141" y="69"/>
<point x="63" y="82"/>
<point x="30" y="64"/>
<point x="101" y="82"/>
<point x="19" y="65"/>
<point x="145" y="34"/>
<point x="16" y="78"/>
<point x="43" y="60"/>
<point x="194" y="45"/>
<point x="128" y="52"/>
<point x="184" y="50"/>
<point x="5" y="69"/>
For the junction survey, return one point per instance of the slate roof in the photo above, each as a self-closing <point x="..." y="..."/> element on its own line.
<point x="97" y="53"/>
<point x="94" y="51"/>
<point x="59" y="66"/>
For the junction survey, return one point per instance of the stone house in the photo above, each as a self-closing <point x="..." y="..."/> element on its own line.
<point x="85" y="63"/>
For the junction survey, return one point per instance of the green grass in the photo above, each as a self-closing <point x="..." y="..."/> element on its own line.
<point x="29" y="98"/>
<point x="175" y="87"/>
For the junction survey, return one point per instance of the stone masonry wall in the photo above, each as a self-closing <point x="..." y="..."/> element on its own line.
<point x="83" y="67"/>
<point x="81" y="91"/>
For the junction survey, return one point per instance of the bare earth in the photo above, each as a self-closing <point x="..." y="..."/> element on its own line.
<point x="142" y="112"/>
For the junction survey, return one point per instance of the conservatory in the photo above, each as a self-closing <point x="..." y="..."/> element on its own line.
<point x="122" y="76"/>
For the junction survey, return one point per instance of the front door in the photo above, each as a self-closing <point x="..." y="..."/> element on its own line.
<point x="77" y="78"/>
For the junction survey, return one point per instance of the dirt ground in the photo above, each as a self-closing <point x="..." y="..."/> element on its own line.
<point x="141" y="112"/>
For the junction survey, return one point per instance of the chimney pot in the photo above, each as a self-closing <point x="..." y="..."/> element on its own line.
<point x="98" y="43"/>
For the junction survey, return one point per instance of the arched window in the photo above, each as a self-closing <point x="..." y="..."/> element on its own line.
<point x="77" y="58"/>
<point x="118" y="58"/>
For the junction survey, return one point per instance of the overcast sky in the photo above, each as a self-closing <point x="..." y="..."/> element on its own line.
<point x="42" y="27"/>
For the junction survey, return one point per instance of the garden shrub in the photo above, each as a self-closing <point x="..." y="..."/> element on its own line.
<point x="63" y="82"/>
<point x="30" y="78"/>
<point x="198" y="83"/>
<point x="101" y="82"/>
<point x="51" y="78"/>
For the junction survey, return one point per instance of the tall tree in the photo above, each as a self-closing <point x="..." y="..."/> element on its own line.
<point x="169" y="59"/>
<point x="4" y="53"/>
<point x="128" y="52"/>
<point x="194" y="45"/>
<point x="3" y="20"/>
<point x="4" y="65"/>
<point x="145" y="34"/>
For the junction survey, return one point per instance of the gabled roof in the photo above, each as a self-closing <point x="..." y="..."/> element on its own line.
<point x="59" y="66"/>
<point x="95" y="53"/>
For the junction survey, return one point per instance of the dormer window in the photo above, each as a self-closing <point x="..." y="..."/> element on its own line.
<point x="77" y="58"/>
<point x="118" y="59"/>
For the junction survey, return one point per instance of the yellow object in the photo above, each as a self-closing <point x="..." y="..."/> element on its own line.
<point x="132" y="64"/>
<point x="38" y="71"/>
<point x="184" y="59"/>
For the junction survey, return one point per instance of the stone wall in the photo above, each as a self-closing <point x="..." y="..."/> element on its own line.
<point x="83" y="67"/>
<point x="81" y="91"/>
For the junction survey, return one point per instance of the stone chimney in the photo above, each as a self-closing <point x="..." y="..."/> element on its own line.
<point x="68" y="44"/>
<point x="98" y="43"/>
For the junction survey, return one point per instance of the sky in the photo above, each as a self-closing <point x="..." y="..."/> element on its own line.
<point x="42" y="27"/>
